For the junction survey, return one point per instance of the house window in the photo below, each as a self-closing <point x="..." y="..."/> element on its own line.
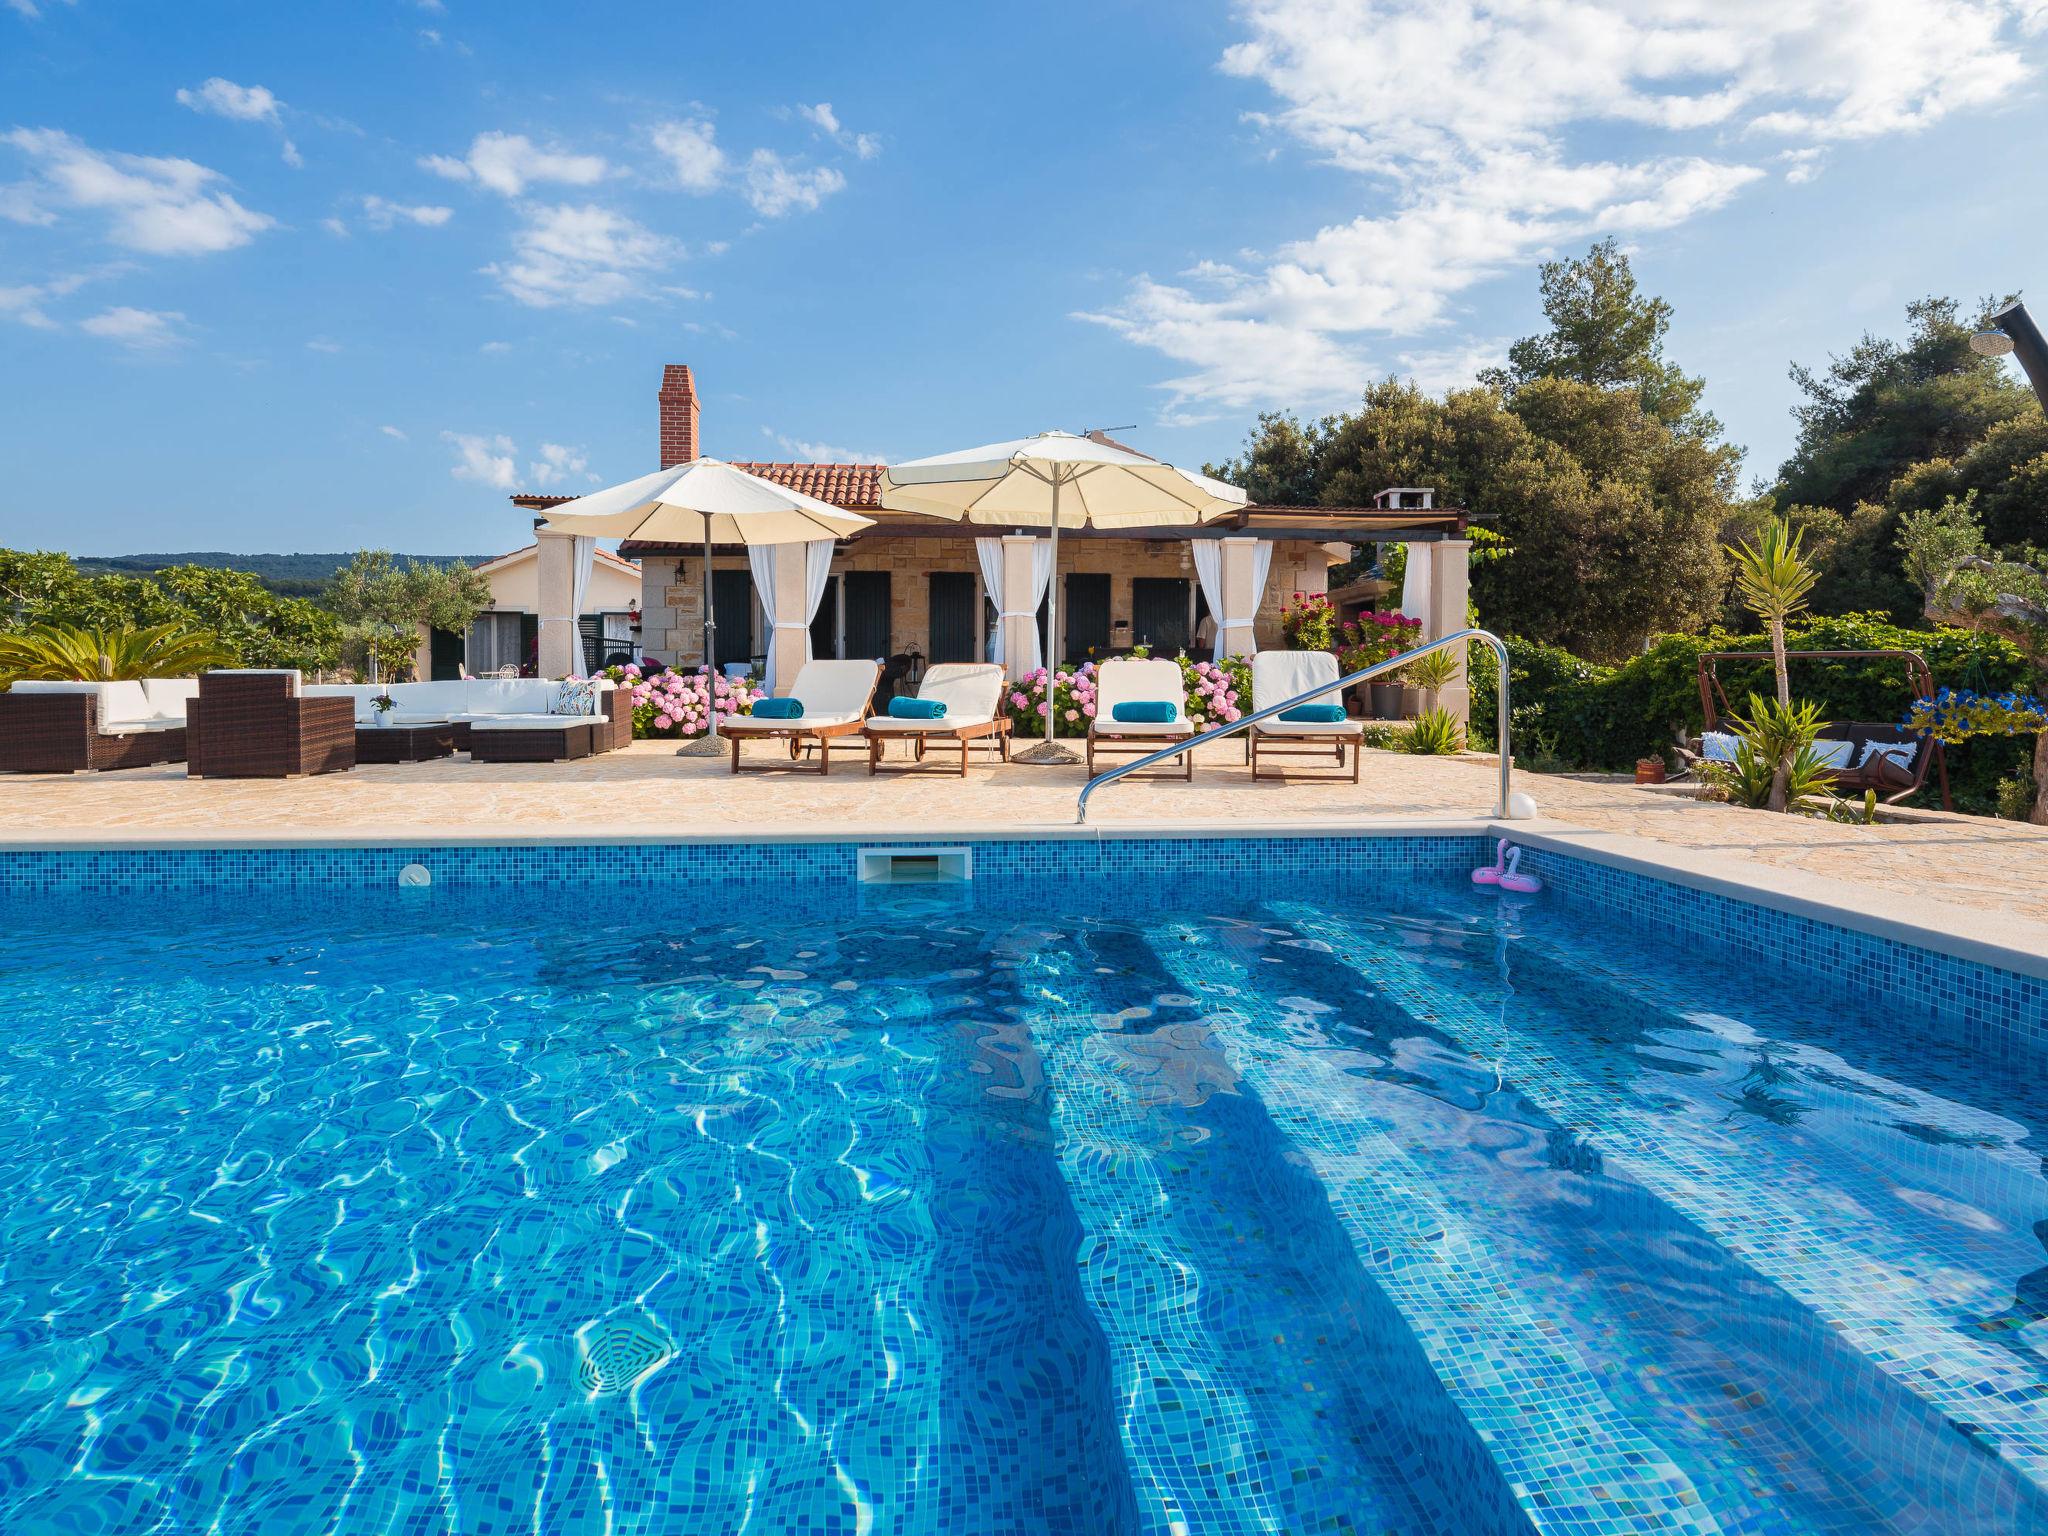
<point x="494" y="642"/>
<point x="1159" y="613"/>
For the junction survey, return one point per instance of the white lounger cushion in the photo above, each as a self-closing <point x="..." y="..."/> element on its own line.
<point x="1140" y="680"/>
<point x="891" y="725"/>
<point x="525" y="722"/>
<point x="1281" y="675"/>
<point x="831" y="692"/>
<point x="470" y="698"/>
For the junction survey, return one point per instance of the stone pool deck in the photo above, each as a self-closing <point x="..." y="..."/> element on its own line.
<point x="1969" y="876"/>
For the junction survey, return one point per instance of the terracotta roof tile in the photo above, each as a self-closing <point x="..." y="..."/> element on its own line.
<point x="844" y="485"/>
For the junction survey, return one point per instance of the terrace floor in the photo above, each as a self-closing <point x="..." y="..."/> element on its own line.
<point x="1990" y="878"/>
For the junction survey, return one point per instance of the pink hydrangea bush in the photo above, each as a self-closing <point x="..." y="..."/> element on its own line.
<point x="672" y="705"/>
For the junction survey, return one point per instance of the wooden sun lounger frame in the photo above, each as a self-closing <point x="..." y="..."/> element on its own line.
<point x="1103" y="743"/>
<point x="1314" y="746"/>
<point x="802" y="737"/>
<point x="996" y="733"/>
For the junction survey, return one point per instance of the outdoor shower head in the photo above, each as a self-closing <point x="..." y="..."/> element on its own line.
<point x="1991" y="343"/>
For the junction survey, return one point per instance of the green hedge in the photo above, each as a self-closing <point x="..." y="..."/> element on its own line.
<point x="1574" y="714"/>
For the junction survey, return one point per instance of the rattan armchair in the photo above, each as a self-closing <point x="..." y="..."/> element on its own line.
<point x="255" y="725"/>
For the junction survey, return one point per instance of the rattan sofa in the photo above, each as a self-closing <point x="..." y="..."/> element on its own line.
<point x="71" y="727"/>
<point x="257" y="724"/>
<point x="498" y="720"/>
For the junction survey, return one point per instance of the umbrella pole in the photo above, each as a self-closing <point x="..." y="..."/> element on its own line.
<point x="1049" y="750"/>
<point x="707" y="744"/>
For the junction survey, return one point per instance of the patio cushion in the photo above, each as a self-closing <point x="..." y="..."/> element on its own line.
<point x="778" y="709"/>
<point x="1899" y="752"/>
<point x="1278" y="676"/>
<point x="1144" y="712"/>
<point x="917" y="709"/>
<point x="1144" y="728"/>
<point x="1719" y="746"/>
<point x="168" y="696"/>
<point x="125" y="702"/>
<point x="884" y="724"/>
<point x="1833" y="754"/>
<point x="749" y="725"/>
<point x="1139" y="679"/>
<point x="577" y="697"/>
<point x="1313" y="714"/>
<point x="840" y="688"/>
<point x="966" y="688"/>
<point x="526" y="722"/>
<point x="1282" y="726"/>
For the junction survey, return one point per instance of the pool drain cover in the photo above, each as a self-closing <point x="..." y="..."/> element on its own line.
<point x="619" y="1353"/>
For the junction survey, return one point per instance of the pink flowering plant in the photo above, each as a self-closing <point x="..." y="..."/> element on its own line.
<point x="1216" y="692"/>
<point x="1375" y="637"/>
<point x="671" y="705"/>
<point x="1309" y="623"/>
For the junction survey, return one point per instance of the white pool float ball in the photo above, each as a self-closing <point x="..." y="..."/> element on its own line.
<point x="1521" y="807"/>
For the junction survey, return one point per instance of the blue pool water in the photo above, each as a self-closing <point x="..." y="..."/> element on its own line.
<point x="1415" y="1210"/>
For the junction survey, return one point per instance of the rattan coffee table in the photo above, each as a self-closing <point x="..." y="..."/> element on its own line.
<point x="404" y="743"/>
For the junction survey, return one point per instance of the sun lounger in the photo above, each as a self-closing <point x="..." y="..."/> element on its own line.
<point x="835" y="696"/>
<point x="972" y="693"/>
<point x="1139" y="680"/>
<point x="1280" y="675"/>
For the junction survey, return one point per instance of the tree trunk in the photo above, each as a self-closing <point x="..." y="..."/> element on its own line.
<point x="2039" y="814"/>
<point x="1781" y="776"/>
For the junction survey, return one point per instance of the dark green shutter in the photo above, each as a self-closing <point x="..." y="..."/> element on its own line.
<point x="867" y="615"/>
<point x="1159" y="613"/>
<point x="953" y="611"/>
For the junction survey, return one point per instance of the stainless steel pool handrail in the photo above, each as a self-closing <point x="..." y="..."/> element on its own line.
<point x="1244" y="722"/>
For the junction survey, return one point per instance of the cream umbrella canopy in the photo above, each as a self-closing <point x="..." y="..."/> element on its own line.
<point x="707" y="501"/>
<point x="1056" y="480"/>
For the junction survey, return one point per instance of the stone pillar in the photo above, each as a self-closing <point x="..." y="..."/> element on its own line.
<point x="560" y="651"/>
<point x="657" y="616"/>
<point x="1239" y="601"/>
<point x="786" y="639"/>
<point x="1016" y="602"/>
<point x="1450" y="586"/>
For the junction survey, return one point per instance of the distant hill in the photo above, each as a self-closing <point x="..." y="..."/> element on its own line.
<point x="286" y="575"/>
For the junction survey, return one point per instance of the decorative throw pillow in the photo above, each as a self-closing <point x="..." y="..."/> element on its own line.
<point x="576" y="696"/>
<point x="1900" y="753"/>
<point x="1145" y="712"/>
<point x="1719" y="746"/>
<point x="1833" y="754"/>
<point x="1314" y="714"/>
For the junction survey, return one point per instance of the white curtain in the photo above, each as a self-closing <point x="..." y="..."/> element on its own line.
<point x="990" y="553"/>
<point x="1415" y="584"/>
<point x="1233" y="630"/>
<point x="582" y="553"/>
<point x="817" y="572"/>
<point x="817" y="569"/>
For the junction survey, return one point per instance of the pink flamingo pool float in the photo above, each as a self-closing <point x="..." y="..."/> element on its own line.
<point x="1505" y="872"/>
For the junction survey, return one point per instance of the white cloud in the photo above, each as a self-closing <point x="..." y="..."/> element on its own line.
<point x="488" y="460"/>
<point x="556" y="463"/>
<point x="379" y="213"/>
<point x="1467" y="121"/>
<point x="694" y="158"/>
<point x="430" y="37"/>
<point x="141" y="328"/>
<point x="242" y="104"/>
<point x="774" y="188"/>
<point x="335" y="227"/>
<point x="29" y="8"/>
<point x="826" y="121"/>
<point x="493" y="348"/>
<point x="169" y="207"/>
<point x="569" y="255"/>
<point x="393" y="433"/>
<point x="24" y="303"/>
<point x="820" y="453"/>
<point x="508" y="163"/>
<point x="323" y="344"/>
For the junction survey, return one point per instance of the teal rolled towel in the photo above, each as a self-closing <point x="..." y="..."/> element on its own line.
<point x="1144" y="712"/>
<point x="917" y="709"/>
<point x="1314" y="714"/>
<point x="778" y="709"/>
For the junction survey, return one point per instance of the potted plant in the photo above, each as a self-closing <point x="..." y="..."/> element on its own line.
<point x="383" y="704"/>
<point x="1649" y="770"/>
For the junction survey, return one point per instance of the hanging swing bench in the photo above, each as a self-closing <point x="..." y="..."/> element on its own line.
<point x="1861" y="767"/>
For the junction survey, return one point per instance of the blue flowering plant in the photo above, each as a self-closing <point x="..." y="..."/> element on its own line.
<point x="1955" y="715"/>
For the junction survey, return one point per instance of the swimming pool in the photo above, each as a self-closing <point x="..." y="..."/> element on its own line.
<point x="1335" y="1198"/>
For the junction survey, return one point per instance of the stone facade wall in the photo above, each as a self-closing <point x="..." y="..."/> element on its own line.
<point x="672" y="607"/>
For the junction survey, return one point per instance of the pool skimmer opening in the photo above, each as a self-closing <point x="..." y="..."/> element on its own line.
<point x="914" y="866"/>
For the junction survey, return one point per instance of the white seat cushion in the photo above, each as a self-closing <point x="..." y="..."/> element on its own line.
<point x="527" y="722"/>
<point x="1278" y="676"/>
<point x="968" y="689"/>
<point x="891" y="725"/>
<point x="1107" y="727"/>
<point x="839" y="689"/>
<point x="168" y="696"/>
<point x="1139" y="680"/>
<point x="809" y="720"/>
<point x="1278" y="727"/>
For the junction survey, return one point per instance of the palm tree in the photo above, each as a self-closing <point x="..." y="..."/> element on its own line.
<point x="1774" y="579"/>
<point x="65" y="652"/>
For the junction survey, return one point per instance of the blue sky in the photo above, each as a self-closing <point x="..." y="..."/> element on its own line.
<point x="321" y="277"/>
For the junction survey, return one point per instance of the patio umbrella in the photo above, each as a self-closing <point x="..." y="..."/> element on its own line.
<point x="1056" y="480"/>
<point x="710" y="501"/>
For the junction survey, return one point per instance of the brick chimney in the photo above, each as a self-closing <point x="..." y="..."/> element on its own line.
<point x="678" y="399"/>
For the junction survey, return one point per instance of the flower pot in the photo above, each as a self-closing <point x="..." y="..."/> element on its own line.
<point x="1649" y="770"/>
<point x="1386" y="700"/>
<point x="1411" y="703"/>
